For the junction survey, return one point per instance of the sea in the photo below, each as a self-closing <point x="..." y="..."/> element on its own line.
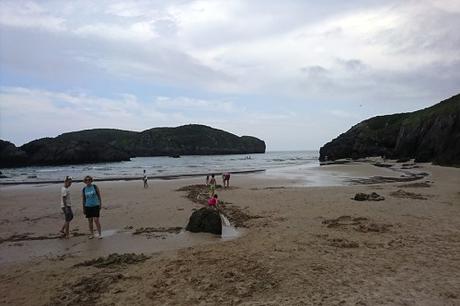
<point x="164" y="167"/>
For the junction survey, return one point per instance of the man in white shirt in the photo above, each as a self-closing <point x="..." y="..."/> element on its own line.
<point x="66" y="207"/>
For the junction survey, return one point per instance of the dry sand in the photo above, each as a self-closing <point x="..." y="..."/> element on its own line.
<point x="308" y="246"/>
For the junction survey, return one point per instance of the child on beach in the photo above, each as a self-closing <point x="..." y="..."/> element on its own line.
<point x="66" y="206"/>
<point x="213" y="201"/>
<point x="92" y="203"/>
<point x="226" y="179"/>
<point x="212" y="185"/>
<point x="207" y="180"/>
<point x="145" y="178"/>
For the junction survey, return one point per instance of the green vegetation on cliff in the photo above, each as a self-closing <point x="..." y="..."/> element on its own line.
<point x="106" y="145"/>
<point x="430" y="134"/>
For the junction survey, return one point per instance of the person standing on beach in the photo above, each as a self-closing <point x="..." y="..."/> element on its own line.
<point x="212" y="185"/>
<point x="207" y="180"/>
<point x="145" y="178"/>
<point x="92" y="203"/>
<point x="226" y="179"/>
<point x="66" y="206"/>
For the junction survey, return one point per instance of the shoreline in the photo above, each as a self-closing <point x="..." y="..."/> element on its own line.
<point x="136" y="178"/>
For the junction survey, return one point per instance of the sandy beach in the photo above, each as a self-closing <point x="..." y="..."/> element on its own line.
<point x="297" y="246"/>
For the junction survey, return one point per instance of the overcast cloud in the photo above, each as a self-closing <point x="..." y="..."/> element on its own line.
<point x="294" y="73"/>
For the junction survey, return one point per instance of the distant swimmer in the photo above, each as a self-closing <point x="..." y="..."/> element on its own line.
<point x="145" y="179"/>
<point x="66" y="206"/>
<point x="226" y="179"/>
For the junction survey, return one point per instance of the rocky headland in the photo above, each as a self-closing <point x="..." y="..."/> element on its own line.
<point x="112" y="145"/>
<point x="428" y="135"/>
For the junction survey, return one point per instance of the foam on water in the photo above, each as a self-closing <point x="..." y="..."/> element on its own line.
<point x="108" y="233"/>
<point x="228" y="231"/>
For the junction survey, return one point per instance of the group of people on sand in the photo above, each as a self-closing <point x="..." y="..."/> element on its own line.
<point x="212" y="184"/>
<point x="91" y="201"/>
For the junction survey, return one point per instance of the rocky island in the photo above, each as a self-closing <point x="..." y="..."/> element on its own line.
<point x="428" y="135"/>
<point x="112" y="145"/>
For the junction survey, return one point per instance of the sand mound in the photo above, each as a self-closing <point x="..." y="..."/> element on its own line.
<point x="343" y="221"/>
<point x="212" y="279"/>
<point x="359" y="224"/>
<point x="26" y="237"/>
<point x="198" y="193"/>
<point x="407" y="195"/>
<point x="114" y="260"/>
<point x="373" y="227"/>
<point x="343" y="243"/>
<point x="86" y="290"/>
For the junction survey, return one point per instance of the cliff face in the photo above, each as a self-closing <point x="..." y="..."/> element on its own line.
<point x="431" y="134"/>
<point x="107" y="145"/>
<point x="11" y="154"/>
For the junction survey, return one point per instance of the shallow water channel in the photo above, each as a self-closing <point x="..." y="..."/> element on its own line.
<point x="113" y="241"/>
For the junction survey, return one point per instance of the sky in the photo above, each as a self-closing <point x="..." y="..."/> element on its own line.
<point x="293" y="73"/>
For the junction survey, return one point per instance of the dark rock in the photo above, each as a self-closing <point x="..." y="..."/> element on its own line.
<point x="368" y="197"/>
<point x="205" y="220"/>
<point x="430" y="134"/>
<point x="110" y="145"/>
<point x="361" y="197"/>
<point x="10" y="155"/>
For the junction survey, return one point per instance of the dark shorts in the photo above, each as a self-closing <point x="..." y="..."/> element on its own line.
<point x="92" y="212"/>
<point x="68" y="214"/>
<point x="227" y="177"/>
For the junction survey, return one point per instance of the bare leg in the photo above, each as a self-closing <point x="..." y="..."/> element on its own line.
<point x="91" y="229"/>
<point x="63" y="228"/>
<point x="98" y="225"/>
<point x="66" y="231"/>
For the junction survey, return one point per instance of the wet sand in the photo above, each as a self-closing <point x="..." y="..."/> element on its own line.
<point x="308" y="245"/>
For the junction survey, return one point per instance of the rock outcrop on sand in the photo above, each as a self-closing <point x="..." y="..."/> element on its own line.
<point x="368" y="197"/>
<point x="205" y="220"/>
<point x="110" y="145"/>
<point x="431" y="134"/>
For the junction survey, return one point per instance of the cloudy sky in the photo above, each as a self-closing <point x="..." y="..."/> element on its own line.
<point x="294" y="73"/>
